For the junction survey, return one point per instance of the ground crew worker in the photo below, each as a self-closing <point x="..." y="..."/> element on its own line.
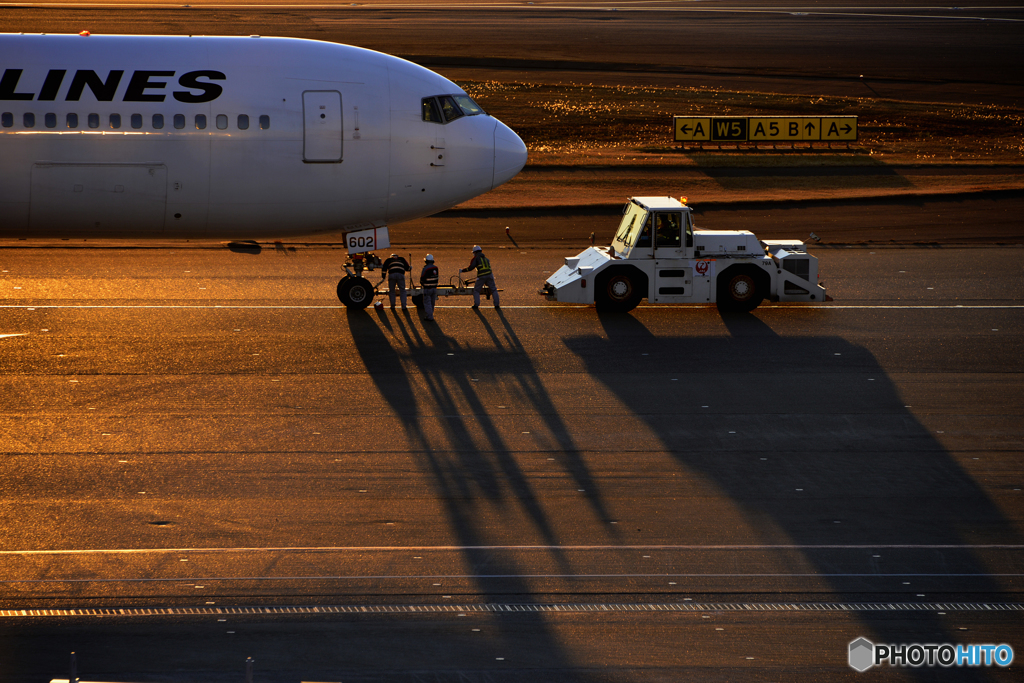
<point x="428" y="281"/>
<point x="397" y="267"/>
<point x="484" y="276"/>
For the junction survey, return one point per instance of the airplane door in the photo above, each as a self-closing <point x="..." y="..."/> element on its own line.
<point x="322" y="131"/>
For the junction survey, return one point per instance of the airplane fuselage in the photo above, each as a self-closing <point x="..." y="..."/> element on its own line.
<point x="143" y="136"/>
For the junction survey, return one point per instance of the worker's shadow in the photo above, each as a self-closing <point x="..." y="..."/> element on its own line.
<point x="430" y="381"/>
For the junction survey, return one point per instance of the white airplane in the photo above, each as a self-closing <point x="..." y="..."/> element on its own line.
<point x="233" y="138"/>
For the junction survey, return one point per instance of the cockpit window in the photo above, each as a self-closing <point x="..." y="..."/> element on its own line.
<point x="468" y="106"/>
<point x="450" y="108"/>
<point x="447" y="108"/>
<point x="430" y="110"/>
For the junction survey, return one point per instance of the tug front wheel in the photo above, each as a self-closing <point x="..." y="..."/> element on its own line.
<point x="620" y="290"/>
<point x="355" y="292"/>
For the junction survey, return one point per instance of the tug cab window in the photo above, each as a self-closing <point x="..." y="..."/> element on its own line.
<point x="644" y="240"/>
<point x="634" y="224"/>
<point x="667" y="230"/>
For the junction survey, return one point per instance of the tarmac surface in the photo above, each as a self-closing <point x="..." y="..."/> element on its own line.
<point x="206" y="458"/>
<point x="912" y="52"/>
<point x="191" y="430"/>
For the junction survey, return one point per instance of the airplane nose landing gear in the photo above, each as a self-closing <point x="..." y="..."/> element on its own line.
<point x="354" y="290"/>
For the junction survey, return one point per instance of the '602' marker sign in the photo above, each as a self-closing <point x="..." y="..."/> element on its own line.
<point x="367" y="240"/>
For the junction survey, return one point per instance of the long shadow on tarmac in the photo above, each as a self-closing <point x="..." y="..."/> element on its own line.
<point x="851" y="473"/>
<point x="848" y="464"/>
<point x="469" y="461"/>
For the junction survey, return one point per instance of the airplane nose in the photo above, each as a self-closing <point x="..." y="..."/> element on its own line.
<point x="509" y="154"/>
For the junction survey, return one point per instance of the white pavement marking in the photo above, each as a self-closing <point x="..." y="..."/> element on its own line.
<point x="692" y="307"/>
<point x="460" y="548"/>
<point x="891" y="606"/>
<point x="15" y="334"/>
<point x="476" y="577"/>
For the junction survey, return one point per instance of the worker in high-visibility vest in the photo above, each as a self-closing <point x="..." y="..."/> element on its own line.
<point x="396" y="268"/>
<point x="484" y="276"/>
<point x="428" y="281"/>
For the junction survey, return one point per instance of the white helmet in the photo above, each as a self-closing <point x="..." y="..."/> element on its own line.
<point x="429" y="258"/>
<point x="477" y="248"/>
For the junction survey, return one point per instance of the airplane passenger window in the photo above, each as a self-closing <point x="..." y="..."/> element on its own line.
<point x="7" y="118"/>
<point x="468" y="106"/>
<point x="200" y="121"/>
<point x="29" y="119"/>
<point x="264" y="122"/>
<point x="94" y="120"/>
<point x="430" y="111"/>
<point x="136" y="121"/>
<point x="179" y="121"/>
<point x="243" y="122"/>
<point x="115" y="120"/>
<point x="72" y="120"/>
<point x="158" y="121"/>
<point x="450" y="108"/>
<point x="222" y="121"/>
<point x="50" y="120"/>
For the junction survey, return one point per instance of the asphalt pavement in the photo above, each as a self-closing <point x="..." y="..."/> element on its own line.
<point x="191" y="432"/>
<point x="205" y="458"/>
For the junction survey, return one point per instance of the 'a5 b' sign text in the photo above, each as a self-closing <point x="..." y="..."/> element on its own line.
<point x="765" y="128"/>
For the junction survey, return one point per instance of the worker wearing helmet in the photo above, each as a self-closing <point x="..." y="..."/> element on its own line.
<point x="396" y="268"/>
<point x="428" y="281"/>
<point x="484" y="276"/>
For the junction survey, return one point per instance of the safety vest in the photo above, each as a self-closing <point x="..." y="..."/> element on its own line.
<point x="483" y="266"/>
<point x="396" y="266"/>
<point x="428" y="278"/>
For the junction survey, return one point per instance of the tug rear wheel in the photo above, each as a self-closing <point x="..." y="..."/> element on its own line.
<point x="740" y="290"/>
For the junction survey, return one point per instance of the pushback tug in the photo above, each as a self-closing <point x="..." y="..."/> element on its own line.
<point x="657" y="254"/>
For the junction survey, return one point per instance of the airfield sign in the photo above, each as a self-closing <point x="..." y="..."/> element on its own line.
<point x="765" y="128"/>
